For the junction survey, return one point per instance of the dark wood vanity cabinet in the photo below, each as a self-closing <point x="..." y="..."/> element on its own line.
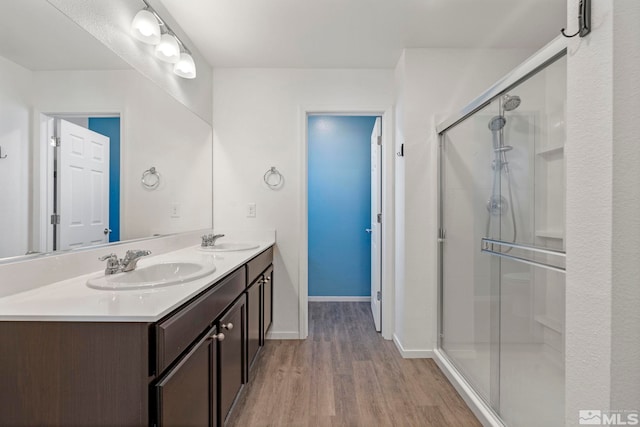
<point x="254" y="333"/>
<point x="187" y="395"/>
<point x="231" y="356"/>
<point x="259" y="301"/>
<point x="186" y="369"/>
<point x="267" y="303"/>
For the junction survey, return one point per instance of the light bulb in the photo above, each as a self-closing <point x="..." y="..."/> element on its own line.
<point x="185" y="67"/>
<point x="145" y="27"/>
<point x="168" y="50"/>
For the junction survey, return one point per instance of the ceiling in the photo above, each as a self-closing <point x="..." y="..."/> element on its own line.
<point x="358" y="33"/>
<point x="39" y="37"/>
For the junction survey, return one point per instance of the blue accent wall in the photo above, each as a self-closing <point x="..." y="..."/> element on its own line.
<point x="110" y="126"/>
<point x="339" y="190"/>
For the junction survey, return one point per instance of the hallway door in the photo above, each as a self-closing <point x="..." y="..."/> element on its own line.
<point x="82" y="187"/>
<point x="376" y="218"/>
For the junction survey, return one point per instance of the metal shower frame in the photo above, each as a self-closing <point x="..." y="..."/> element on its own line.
<point x="550" y="53"/>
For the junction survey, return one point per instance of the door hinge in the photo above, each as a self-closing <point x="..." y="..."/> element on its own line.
<point x="55" y="219"/>
<point x="55" y="141"/>
<point x="379" y="218"/>
<point x="379" y="139"/>
<point x="379" y="296"/>
<point x="441" y="235"/>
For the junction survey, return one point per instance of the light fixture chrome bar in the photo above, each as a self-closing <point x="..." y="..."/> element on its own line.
<point x="488" y="244"/>
<point x="525" y="261"/>
<point x="554" y="50"/>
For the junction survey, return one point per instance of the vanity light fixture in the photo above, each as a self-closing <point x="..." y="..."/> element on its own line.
<point x="185" y="67"/>
<point x="168" y="50"/>
<point x="145" y="27"/>
<point x="148" y="27"/>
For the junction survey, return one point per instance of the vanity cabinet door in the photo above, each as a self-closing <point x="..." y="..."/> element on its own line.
<point x="187" y="394"/>
<point x="232" y="356"/>
<point x="254" y="333"/>
<point x="267" y="303"/>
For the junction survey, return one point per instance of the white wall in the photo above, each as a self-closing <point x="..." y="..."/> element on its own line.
<point x="603" y="205"/>
<point x="110" y="21"/>
<point x="433" y="83"/>
<point x="15" y="101"/>
<point x="258" y="124"/>
<point x="156" y="130"/>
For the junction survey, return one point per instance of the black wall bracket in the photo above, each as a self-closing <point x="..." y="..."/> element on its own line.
<point x="584" y="20"/>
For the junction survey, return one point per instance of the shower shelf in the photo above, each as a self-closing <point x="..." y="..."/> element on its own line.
<point x="551" y="150"/>
<point x="549" y="322"/>
<point x="550" y="234"/>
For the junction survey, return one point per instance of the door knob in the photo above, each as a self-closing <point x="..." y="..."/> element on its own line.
<point x="368" y="230"/>
<point x="228" y="326"/>
<point x="107" y="230"/>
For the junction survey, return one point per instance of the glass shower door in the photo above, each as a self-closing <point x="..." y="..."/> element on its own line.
<point x="502" y="214"/>
<point x="469" y="320"/>
<point x="531" y="258"/>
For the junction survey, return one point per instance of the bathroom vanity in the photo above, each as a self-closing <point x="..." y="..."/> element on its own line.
<point x="173" y="356"/>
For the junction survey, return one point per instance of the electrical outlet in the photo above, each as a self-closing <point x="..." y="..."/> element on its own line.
<point x="175" y="210"/>
<point x="251" y="210"/>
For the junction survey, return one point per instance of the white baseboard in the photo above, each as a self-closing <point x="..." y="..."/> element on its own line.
<point x="339" y="299"/>
<point x="283" y="335"/>
<point x="484" y="414"/>
<point x="411" y="354"/>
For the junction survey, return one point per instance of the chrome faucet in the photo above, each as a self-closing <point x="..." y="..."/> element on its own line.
<point x="209" y="240"/>
<point x="113" y="264"/>
<point x="128" y="263"/>
<point x="131" y="258"/>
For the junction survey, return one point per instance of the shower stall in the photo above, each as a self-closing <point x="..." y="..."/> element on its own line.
<point x="502" y="247"/>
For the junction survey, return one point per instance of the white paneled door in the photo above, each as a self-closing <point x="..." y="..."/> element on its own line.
<point x="376" y="213"/>
<point x="82" y="187"/>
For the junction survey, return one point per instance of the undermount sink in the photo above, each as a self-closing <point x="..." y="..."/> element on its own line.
<point x="152" y="276"/>
<point x="229" y="247"/>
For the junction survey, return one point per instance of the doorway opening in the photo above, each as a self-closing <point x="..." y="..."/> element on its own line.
<point x="344" y="192"/>
<point x="80" y="190"/>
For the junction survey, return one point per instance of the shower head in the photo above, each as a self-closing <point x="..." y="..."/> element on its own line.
<point x="497" y="123"/>
<point x="510" y="103"/>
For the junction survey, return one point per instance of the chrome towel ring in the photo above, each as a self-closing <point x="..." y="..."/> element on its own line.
<point x="273" y="178"/>
<point x="150" y="178"/>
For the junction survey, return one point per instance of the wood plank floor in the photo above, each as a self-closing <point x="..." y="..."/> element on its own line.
<point x="346" y="374"/>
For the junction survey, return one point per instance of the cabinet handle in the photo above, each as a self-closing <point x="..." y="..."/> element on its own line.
<point x="228" y="326"/>
<point x="219" y="337"/>
<point x="267" y="279"/>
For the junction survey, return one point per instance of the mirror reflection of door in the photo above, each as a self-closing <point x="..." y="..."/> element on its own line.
<point x="81" y="183"/>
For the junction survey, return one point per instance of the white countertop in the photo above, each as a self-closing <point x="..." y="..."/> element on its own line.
<point x="73" y="301"/>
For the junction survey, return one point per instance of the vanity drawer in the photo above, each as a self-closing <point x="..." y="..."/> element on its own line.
<point x="257" y="265"/>
<point x="175" y="334"/>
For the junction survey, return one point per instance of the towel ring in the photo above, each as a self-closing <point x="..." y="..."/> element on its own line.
<point x="267" y="178"/>
<point x="150" y="178"/>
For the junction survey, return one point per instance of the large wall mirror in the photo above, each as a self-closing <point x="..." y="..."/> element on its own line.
<point x="91" y="151"/>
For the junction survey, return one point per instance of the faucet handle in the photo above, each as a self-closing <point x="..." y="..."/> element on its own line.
<point x="110" y="257"/>
<point x="215" y="238"/>
<point x="136" y="253"/>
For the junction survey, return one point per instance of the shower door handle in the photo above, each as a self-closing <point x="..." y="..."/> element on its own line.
<point x="525" y="253"/>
